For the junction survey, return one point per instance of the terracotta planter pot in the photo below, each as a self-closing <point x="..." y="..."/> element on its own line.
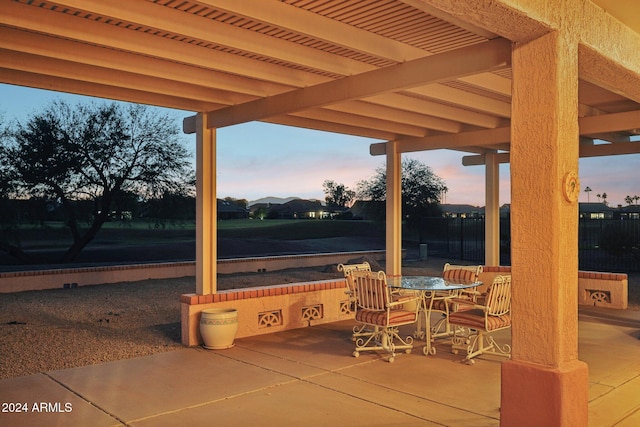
<point x="218" y="327"/>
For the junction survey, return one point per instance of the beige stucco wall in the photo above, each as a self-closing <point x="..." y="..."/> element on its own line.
<point x="270" y="309"/>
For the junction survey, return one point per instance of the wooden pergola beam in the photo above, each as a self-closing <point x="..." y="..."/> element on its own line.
<point x="596" y="150"/>
<point x="449" y="141"/>
<point x="600" y="124"/>
<point x="491" y="55"/>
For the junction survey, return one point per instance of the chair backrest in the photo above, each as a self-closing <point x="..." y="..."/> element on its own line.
<point x="347" y="269"/>
<point x="371" y="290"/>
<point x="464" y="273"/>
<point x="499" y="296"/>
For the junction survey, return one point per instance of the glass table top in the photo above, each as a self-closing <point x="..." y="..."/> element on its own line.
<point x="428" y="283"/>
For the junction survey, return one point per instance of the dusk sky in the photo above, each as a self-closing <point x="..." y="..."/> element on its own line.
<point x="257" y="160"/>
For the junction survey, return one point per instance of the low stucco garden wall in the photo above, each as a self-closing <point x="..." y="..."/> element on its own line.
<point x="263" y="310"/>
<point x="33" y="280"/>
<point x="600" y="289"/>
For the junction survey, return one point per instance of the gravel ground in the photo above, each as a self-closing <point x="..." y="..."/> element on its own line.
<point x="64" y="328"/>
<point x="56" y="329"/>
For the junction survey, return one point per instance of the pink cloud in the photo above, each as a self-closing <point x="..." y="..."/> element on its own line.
<point x="258" y="160"/>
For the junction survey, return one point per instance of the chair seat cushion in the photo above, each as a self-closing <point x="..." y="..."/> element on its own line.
<point x="379" y="318"/>
<point x="475" y="319"/>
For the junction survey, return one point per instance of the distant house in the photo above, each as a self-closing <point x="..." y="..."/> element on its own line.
<point x="629" y="212"/>
<point x="596" y="211"/>
<point x="462" y="211"/>
<point x="228" y="210"/>
<point x="587" y="211"/>
<point x="298" y="209"/>
<point x="259" y="210"/>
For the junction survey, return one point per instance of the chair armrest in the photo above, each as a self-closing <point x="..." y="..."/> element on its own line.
<point x="403" y="300"/>
<point x="469" y="303"/>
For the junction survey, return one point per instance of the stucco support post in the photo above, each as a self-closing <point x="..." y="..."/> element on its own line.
<point x="206" y="208"/>
<point x="544" y="384"/>
<point x="394" y="210"/>
<point x="492" y="210"/>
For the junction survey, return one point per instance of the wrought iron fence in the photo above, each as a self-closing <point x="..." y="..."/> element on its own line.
<point x="607" y="245"/>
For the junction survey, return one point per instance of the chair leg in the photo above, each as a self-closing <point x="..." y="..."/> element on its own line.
<point x="406" y="344"/>
<point x="497" y="349"/>
<point x="474" y="343"/>
<point x="464" y="340"/>
<point x="383" y="339"/>
<point x="362" y="331"/>
<point x="444" y="321"/>
<point x="434" y="332"/>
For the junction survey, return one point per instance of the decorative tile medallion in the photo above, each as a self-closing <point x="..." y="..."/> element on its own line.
<point x="599" y="296"/>
<point x="269" y="318"/>
<point x="346" y="307"/>
<point x="312" y="312"/>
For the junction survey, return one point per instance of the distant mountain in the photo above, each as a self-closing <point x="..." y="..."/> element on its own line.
<point x="272" y="200"/>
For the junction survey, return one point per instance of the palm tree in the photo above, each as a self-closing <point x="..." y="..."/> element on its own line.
<point x="629" y="200"/>
<point x="604" y="198"/>
<point x="587" y="190"/>
<point x="598" y="196"/>
<point x="636" y="198"/>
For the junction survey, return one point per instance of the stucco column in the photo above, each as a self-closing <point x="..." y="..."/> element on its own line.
<point x="492" y="210"/>
<point x="206" y="208"/>
<point x="544" y="384"/>
<point x="394" y="210"/>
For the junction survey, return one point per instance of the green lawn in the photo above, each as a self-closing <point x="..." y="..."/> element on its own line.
<point x="55" y="235"/>
<point x="297" y="229"/>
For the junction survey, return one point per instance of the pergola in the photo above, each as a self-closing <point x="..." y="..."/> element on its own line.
<point x="530" y="82"/>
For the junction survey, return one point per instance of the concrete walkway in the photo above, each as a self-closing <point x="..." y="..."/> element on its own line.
<point x="309" y="377"/>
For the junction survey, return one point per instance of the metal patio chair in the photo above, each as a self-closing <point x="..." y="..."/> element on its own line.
<point x="382" y="316"/>
<point x="452" y="271"/>
<point x="443" y="301"/>
<point x="347" y="269"/>
<point x="474" y="324"/>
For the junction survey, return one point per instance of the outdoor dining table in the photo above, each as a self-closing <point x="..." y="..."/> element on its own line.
<point x="431" y="288"/>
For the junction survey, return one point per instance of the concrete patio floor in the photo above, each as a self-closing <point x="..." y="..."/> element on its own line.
<point x="309" y="377"/>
